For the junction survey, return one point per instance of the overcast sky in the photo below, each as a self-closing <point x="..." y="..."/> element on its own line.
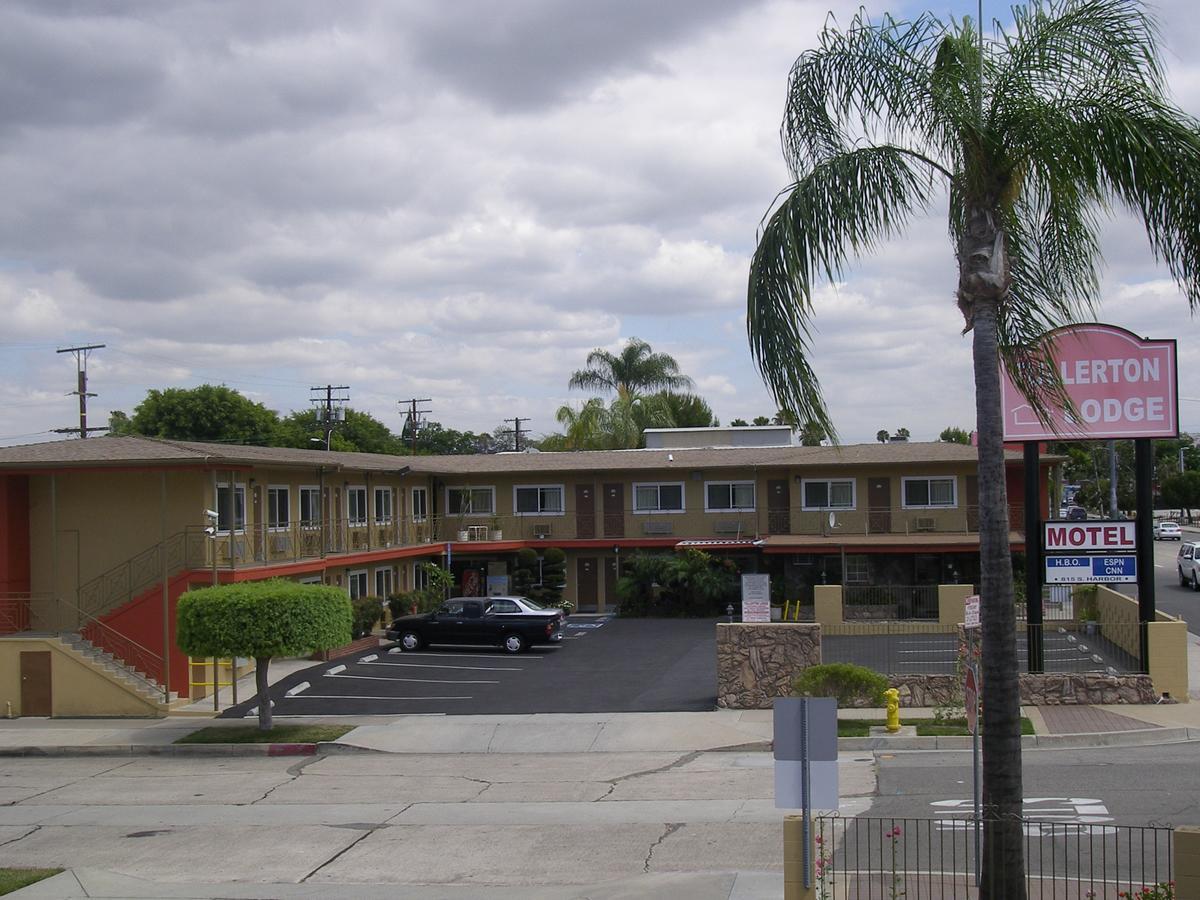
<point x="455" y="200"/>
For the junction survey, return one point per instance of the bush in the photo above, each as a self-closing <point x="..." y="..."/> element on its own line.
<point x="401" y="603"/>
<point x="554" y="576"/>
<point x="848" y="684"/>
<point x="367" y="611"/>
<point x="525" y="572"/>
<point x="687" y="584"/>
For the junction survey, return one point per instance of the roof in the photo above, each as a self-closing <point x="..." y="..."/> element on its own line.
<point x="139" y="451"/>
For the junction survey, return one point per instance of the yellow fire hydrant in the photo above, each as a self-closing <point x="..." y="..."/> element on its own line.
<point x="893" y="709"/>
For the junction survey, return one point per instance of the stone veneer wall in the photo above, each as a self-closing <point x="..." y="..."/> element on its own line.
<point x="757" y="662"/>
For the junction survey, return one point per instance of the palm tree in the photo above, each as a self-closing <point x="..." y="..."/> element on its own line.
<point x="637" y="370"/>
<point x="618" y="426"/>
<point x="1031" y="135"/>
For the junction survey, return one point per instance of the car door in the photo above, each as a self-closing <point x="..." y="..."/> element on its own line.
<point x="475" y="627"/>
<point x="446" y="625"/>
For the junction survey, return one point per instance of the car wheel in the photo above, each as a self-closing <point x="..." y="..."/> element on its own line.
<point x="1195" y="582"/>
<point x="514" y="643"/>
<point x="1183" y="582"/>
<point x="410" y="640"/>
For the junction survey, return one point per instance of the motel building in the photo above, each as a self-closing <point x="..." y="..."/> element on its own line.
<point x="100" y="537"/>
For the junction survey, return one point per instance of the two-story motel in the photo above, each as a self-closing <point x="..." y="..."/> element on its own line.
<point x="101" y="536"/>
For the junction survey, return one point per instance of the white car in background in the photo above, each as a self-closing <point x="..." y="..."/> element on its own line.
<point x="1187" y="562"/>
<point x="1167" y="531"/>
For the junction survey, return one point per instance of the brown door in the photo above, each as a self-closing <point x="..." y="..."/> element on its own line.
<point x="779" y="506"/>
<point x="586" y="599"/>
<point x="972" y="503"/>
<point x="585" y="511"/>
<point x="614" y="510"/>
<point x="610" y="583"/>
<point x="35" y="683"/>
<point x="879" y="505"/>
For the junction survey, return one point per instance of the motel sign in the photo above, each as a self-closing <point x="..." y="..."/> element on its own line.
<point x="1121" y="387"/>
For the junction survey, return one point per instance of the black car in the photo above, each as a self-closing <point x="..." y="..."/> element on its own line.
<point x="472" y="620"/>
<point x="1076" y="513"/>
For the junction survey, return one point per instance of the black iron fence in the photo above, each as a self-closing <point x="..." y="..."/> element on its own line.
<point x="889" y="601"/>
<point x="863" y="858"/>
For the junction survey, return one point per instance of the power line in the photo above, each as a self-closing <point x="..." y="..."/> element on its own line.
<point x="329" y="416"/>
<point x="81" y="391"/>
<point x="412" y="420"/>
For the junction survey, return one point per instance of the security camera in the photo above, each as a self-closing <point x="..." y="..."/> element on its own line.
<point x="210" y="531"/>
<point x="212" y="513"/>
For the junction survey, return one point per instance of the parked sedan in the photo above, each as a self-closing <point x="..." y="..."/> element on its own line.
<point x="1167" y="531"/>
<point x="509" y="604"/>
<point x="473" y="620"/>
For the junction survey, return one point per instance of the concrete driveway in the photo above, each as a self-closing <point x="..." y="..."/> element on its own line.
<point x="603" y="665"/>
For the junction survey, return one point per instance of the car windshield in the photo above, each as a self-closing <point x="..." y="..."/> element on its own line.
<point x="532" y="603"/>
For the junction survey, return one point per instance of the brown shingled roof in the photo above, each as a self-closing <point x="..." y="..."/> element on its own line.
<point x="114" y="451"/>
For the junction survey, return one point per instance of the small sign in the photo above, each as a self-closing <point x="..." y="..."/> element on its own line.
<point x="756" y="598"/>
<point x="1091" y="569"/>
<point x="971" y="612"/>
<point x="819" y="751"/>
<point x="497" y="585"/>
<point x="1111" y="537"/>
<point x="971" y="699"/>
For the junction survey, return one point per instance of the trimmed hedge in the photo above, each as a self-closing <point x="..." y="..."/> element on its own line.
<point x="367" y="611"/>
<point x="263" y="619"/>
<point x="844" y="682"/>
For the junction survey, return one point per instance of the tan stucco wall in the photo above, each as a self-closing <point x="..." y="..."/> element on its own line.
<point x="952" y="602"/>
<point x="827" y="605"/>
<point x="103" y="518"/>
<point x="77" y="689"/>
<point x="1169" y="658"/>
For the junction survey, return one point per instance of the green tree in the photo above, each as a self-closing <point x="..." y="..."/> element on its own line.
<point x="206" y="413"/>
<point x="688" y="410"/>
<point x="738" y="423"/>
<point x="524" y="574"/>
<point x="812" y="434"/>
<point x="262" y="619"/>
<point x="618" y="426"/>
<point x="761" y="420"/>
<point x="953" y="435"/>
<point x="1032" y="134"/>
<point x="637" y="370"/>
<point x="554" y="576"/>
<point x="881" y="435"/>
<point x="359" y="432"/>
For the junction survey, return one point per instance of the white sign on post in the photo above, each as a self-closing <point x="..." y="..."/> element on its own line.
<point x="756" y="598"/>
<point x="971" y="612"/>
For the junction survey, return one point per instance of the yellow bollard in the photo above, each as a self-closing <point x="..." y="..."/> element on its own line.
<point x="893" y="709"/>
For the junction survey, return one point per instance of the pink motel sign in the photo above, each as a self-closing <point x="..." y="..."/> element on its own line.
<point x="1121" y="386"/>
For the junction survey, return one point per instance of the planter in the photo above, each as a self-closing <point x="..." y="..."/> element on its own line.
<point x="497" y="534"/>
<point x="464" y="535"/>
<point x="370" y="642"/>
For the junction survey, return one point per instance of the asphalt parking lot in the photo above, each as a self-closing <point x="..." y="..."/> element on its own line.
<point x="602" y="665"/>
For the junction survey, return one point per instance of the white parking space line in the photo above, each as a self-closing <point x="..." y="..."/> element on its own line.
<point x="418" y="680"/>
<point x="432" y="666"/>
<point x="360" y="697"/>
<point x="408" y="653"/>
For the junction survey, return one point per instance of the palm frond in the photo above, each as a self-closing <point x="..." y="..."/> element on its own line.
<point x="874" y="78"/>
<point x="845" y="204"/>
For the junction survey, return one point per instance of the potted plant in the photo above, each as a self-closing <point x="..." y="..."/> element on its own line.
<point x="1089" y="614"/>
<point x="495" y="532"/>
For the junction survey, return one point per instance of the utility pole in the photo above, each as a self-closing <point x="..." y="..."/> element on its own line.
<point x="516" y="431"/>
<point x="413" y="417"/>
<point x="81" y="358"/>
<point x="327" y="414"/>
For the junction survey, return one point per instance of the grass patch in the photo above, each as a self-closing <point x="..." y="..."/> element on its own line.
<point x="280" y="734"/>
<point x="925" y="727"/>
<point x="15" y="879"/>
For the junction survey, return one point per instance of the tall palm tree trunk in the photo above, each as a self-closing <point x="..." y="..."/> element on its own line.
<point x="1003" y="862"/>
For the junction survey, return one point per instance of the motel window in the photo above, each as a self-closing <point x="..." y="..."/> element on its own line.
<point x="310" y="506"/>
<point x="926" y="493"/>
<point x="420" y="504"/>
<point x="467" y="501"/>
<point x="356" y="505"/>
<point x="383" y="506"/>
<point x="356" y="583"/>
<point x="649" y="498"/>
<point x="227" y="514"/>
<point x="383" y="582"/>
<point x="858" y="569"/>
<point x="828" y="494"/>
<point x="420" y="577"/>
<point x="279" y="510"/>
<point x="729" y="496"/>
<point x="538" y="499"/>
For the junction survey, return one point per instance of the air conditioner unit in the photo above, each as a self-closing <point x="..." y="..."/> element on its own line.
<point x="542" y="531"/>
<point x="657" y="528"/>
<point x="926" y="523"/>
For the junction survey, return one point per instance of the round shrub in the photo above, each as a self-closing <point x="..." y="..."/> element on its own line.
<point x="848" y="684"/>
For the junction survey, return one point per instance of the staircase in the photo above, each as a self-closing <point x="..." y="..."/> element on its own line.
<point x="128" y="677"/>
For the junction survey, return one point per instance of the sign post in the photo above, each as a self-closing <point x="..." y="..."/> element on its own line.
<point x="806" y="775"/>
<point x="971" y="705"/>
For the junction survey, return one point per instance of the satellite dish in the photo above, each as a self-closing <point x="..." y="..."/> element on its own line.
<point x="833" y="520"/>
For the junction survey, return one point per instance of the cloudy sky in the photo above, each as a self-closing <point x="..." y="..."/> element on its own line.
<point x="455" y="200"/>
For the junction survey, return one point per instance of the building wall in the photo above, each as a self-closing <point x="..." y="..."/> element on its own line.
<point x="92" y="520"/>
<point x="77" y="689"/>
<point x="14" y="534"/>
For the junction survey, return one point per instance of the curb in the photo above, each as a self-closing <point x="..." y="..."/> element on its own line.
<point x="1138" y="738"/>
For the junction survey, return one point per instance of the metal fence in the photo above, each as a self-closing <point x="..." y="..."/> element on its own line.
<point x="890" y="601"/>
<point x="865" y="858"/>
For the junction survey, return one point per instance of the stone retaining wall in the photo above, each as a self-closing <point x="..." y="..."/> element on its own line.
<point x="757" y="663"/>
